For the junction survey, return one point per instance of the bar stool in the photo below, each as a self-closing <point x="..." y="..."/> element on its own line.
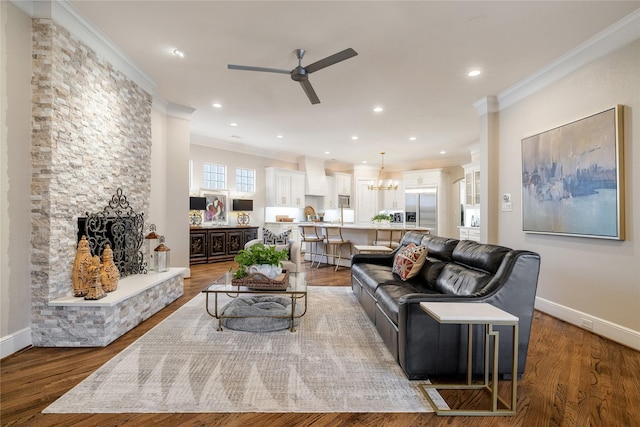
<point x="309" y="234"/>
<point x="385" y="237"/>
<point x="333" y="244"/>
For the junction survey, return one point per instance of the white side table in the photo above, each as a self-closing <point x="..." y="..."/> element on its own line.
<point x="489" y="316"/>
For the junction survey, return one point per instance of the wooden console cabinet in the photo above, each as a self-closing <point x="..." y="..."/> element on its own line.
<point x="207" y="245"/>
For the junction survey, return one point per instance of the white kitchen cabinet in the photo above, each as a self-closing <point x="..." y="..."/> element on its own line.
<point x="393" y="199"/>
<point x="343" y="183"/>
<point x="331" y="201"/>
<point x="297" y="190"/>
<point x="470" y="233"/>
<point x="285" y="187"/>
<point x="417" y="179"/>
<point x="472" y="195"/>
<point x="472" y="183"/>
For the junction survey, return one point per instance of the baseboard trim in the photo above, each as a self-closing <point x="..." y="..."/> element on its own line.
<point x="604" y="328"/>
<point x="15" y="342"/>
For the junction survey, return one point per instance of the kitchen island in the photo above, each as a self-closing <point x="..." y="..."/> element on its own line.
<point x="359" y="234"/>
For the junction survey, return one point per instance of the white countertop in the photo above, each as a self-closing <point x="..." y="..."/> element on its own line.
<point x="367" y="226"/>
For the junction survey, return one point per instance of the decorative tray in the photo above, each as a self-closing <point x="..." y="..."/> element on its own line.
<point x="261" y="282"/>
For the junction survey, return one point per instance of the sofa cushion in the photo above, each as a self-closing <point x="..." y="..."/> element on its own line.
<point x="409" y="260"/>
<point x="414" y="237"/>
<point x="456" y="279"/>
<point x="480" y="256"/>
<point x="270" y="238"/>
<point x="388" y="297"/>
<point x="429" y="273"/>
<point x="440" y="247"/>
<point x="370" y="276"/>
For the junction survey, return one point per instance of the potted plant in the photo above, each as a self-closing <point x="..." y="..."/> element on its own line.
<point x="260" y="258"/>
<point x="381" y="218"/>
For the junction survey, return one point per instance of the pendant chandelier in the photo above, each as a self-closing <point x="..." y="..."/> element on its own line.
<point x="390" y="185"/>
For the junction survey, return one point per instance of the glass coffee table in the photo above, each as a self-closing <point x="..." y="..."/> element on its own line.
<point x="297" y="291"/>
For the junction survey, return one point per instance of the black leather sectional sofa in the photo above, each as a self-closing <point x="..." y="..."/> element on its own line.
<point x="454" y="270"/>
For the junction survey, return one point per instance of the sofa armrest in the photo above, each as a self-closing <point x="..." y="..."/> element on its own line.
<point x="294" y="254"/>
<point x="251" y="243"/>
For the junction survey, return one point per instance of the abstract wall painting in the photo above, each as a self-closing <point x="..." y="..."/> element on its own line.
<point x="573" y="180"/>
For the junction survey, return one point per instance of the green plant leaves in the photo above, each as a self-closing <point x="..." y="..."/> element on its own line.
<point x="258" y="254"/>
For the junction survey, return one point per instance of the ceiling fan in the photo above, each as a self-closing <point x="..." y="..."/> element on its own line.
<point x="300" y="73"/>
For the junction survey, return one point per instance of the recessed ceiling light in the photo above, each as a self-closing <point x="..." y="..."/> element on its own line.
<point x="474" y="73"/>
<point x="279" y="136"/>
<point x="233" y="124"/>
<point x="178" y="52"/>
<point x="413" y="138"/>
<point x="216" y="105"/>
<point x="327" y="152"/>
<point x="364" y="161"/>
<point x="443" y="152"/>
<point x="378" y="109"/>
<point x="354" y="137"/>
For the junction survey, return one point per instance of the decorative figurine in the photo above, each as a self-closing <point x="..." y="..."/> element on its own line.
<point x="95" y="291"/>
<point x="80" y="276"/>
<point x="109" y="274"/>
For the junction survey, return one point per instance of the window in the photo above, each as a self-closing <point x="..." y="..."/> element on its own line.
<point x="214" y="176"/>
<point x="245" y="180"/>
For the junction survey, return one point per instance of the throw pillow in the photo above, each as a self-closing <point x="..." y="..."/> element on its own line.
<point x="270" y="238"/>
<point x="409" y="260"/>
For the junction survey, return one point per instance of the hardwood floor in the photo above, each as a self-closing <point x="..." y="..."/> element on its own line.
<point x="573" y="378"/>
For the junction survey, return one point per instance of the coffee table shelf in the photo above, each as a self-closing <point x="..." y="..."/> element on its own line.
<point x="297" y="291"/>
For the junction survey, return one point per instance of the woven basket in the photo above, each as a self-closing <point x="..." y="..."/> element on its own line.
<point x="260" y="281"/>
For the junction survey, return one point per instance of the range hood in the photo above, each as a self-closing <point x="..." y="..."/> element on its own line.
<point x="316" y="182"/>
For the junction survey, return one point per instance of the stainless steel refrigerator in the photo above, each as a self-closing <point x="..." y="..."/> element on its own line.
<point x="421" y="207"/>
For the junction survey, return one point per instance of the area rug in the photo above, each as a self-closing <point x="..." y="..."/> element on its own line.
<point x="335" y="362"/>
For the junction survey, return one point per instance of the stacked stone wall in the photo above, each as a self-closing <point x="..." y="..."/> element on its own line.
<point x="91" y="136"/>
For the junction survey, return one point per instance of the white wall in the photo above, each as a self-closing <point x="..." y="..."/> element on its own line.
<point x="200" y="154"/>
<point x="582" y="278"/>
<point x="15" y="178"/>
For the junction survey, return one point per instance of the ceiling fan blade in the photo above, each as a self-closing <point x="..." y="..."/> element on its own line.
<point x="330" y="60"/>
<point x="311" y="94"/>
<point x="250" y="68"/>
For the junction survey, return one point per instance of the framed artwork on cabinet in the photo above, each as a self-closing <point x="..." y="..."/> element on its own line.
<point x="573" y="180"/>
<point x="217" y="210"/>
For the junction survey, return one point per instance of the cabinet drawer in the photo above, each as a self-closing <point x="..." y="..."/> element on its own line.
<point x="474" y="235"/>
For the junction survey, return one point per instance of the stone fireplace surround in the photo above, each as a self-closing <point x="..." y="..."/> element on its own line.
<point x="91" y="135"/>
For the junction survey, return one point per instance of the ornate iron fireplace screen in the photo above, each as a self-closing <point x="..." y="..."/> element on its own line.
<point x="122" y="228"/>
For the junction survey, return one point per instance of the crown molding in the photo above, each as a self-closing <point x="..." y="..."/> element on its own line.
<point x="35" y="9"/>
<point x="68" y="16"/>
<point x="63" y="13"/>
<point x="179" y="111"/>
<point x="236" y="147"/>
<point x="612" y="38"/>
<point x="488" y="104"/>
